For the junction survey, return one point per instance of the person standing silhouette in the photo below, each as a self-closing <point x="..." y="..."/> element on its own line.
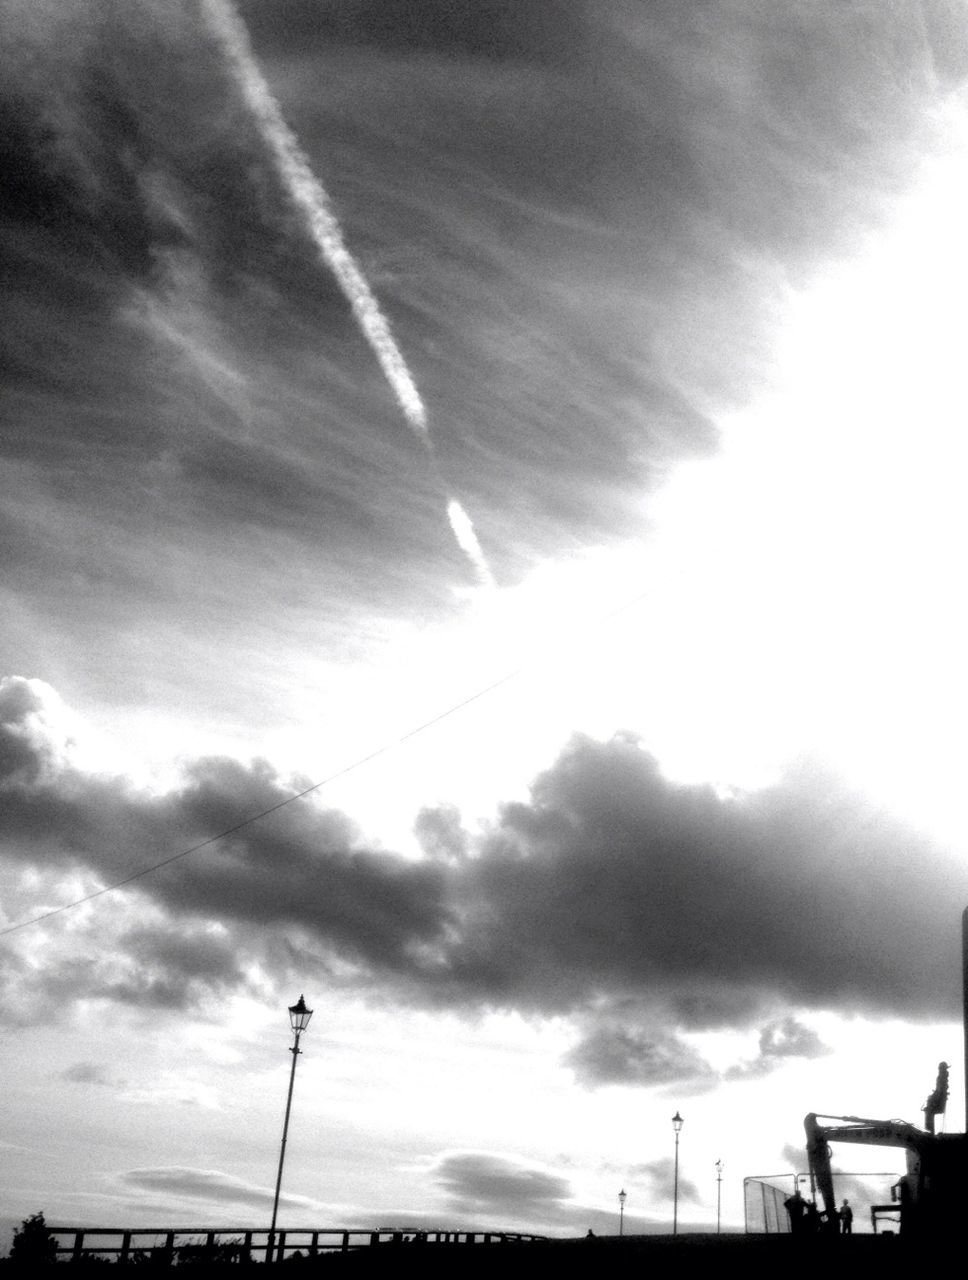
<point x="846" y="1219"/>
<point x="796" y="1208"/>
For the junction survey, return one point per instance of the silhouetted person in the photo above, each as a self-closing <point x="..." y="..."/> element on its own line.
<point x="846" y="1219"/>
<point x="591" y="1235"/>
<point x="812" y="1219"/>
<point x="796" y="1208"/>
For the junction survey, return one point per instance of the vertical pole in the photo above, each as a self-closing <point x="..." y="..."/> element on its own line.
<point x="719" y="1194"/>
<point x="964" y="996"/>
<point x="675" y="1192"/>
<point x="282" y="1152"/>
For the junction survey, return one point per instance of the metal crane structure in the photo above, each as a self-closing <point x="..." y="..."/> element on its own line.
<point x="931" y="1198"/>
<point x="931" y="1195"/>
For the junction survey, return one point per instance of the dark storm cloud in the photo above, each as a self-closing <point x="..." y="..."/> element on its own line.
<point x="174" y="969"/>
<point x="303" y="869"/>
<point x="622" y="1055"/>
<point x="613" y="880"/>
<point x="613" y="894"/>
<point x="164" y="967"/>
<point x="628" y="1044"/>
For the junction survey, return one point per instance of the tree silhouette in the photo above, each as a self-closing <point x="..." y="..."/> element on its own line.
<point x="33" y="1243"/>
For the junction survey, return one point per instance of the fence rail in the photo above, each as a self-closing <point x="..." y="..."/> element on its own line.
<point x="764" y="1202"/>
<point x="164" y="1243"/>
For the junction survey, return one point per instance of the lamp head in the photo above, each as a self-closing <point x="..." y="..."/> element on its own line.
<point x="677" y="1122"/>
<point x="621" y="1198"/>
<point x="299" y="1015"/>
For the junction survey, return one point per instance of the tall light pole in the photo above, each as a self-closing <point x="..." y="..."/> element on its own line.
<point x="299" y="1017"/>
<point x="677" y="1127"/>
<point x="621" y="1212"/>
<point x="719" y="1192"/>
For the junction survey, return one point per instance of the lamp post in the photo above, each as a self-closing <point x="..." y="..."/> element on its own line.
<point x="299" y="1017"/>
<point x="719" y="1192"/>
<point x="621" y="1212"/>
<point x="677" y="1128"/>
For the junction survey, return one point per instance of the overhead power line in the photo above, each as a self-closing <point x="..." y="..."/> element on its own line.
<point x="274" y="808"/>
<point x="453" y="709"/>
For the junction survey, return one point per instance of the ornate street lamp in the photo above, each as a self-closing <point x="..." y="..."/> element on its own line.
<point x="621" y="1212"/>
<point x="719" y="1192"/>
<point x="677" y="1128"/>
<point x="299" y="1017"/>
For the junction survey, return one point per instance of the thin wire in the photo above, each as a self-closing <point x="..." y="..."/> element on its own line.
<point x="301" y="795"/>
<point x="274" y="808"/>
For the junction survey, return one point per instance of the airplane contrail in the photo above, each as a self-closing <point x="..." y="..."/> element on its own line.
<point x="308" y="194"/>
<point x="463" y="529"/>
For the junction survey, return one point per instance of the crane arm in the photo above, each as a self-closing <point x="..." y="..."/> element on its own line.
<point x="855" y="1129"/>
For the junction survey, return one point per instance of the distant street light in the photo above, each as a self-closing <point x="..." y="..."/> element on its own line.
<point x="677" y="1127"/>
<point x="299" y="1017"/>
<point x="621" y="1212"/>
<point x="719" y="1192"/>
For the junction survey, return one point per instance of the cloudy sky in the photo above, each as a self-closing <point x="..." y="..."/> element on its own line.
<point x="532" y="436"/>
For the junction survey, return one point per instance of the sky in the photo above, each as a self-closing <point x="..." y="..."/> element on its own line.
<point x="482" y="517"/>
